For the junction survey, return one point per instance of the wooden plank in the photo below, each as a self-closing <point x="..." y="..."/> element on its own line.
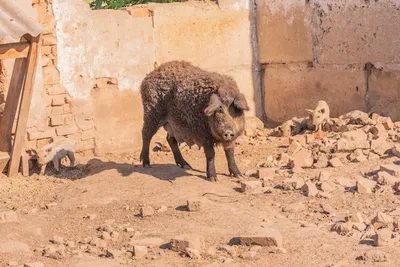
<point x="10" y="109"/>
<point x="25" y="164"/>
<point x="19" y="138"/>
<point x="4" y="159"/>
<point x="14" y="50"/>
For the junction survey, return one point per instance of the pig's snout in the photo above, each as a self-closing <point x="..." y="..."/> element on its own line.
<point x="229" y="135"/>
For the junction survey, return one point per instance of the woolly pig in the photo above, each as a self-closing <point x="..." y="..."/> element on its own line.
<point x="320" y="115"/>
<point x="55" y="152"/>
<point x="196" y="107"/>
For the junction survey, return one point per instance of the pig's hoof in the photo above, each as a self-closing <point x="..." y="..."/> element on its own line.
<point x="213" y="178"/>
<point x="146" y="165"/>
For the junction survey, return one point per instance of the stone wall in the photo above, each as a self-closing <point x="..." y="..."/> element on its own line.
<point x="343" y="52"/>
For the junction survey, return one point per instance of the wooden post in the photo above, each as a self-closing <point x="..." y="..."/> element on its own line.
<point x="23" y="113"/>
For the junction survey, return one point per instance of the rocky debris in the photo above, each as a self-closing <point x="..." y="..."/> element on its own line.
<point x="90" y="216"/>
<point x="268" y="237"/>
<point x="383" y="237"/>
<point x="322" y="162"/>
<point x="8" y="216"/>
<point x="253" y="124"/>
<point x="266" y="173"/>
<point x="359" y="226"/>
<point x="195" y="204"/>
<point x="323" y="176"/>
<point x="345" y="182"/>
<point x="181" y="242"/>
<point x="230" y="250"/>
<point x="335" y="162"/>
<point x="248" y="186"/>
<point x="326" y="187"/>
<point x="162" y="209"/>
<point x="293" y="148"/>
<point x="302" y="159"/>
<point x="382" y="220"/>
<point x="380" y="146"/>
<point x="396" y="150"/>
<point x="353" y="140"/>
<point x="375" y="255"/>
<point x="140" y="251"/>
<point x="248" y="255"/>
<point x="113" y="253"/>
<point x="147" y="211"/>
<point x="294" y="207"/>
<point x="365" y="186"/>
<point x="294" y="182"/>
<point x="34" y="264"/>
<point x="58" y="240"/>
<point x="342" y="228"/>
<point x="193" y="253"/>
<point x="357" y="156"/>
<point x="384" y="178"/>
<point x="356" y="217"/>
<point x="310" y="189"/>
<point x="150" y="242"/>
<point x="55" y="252"/>
<point x="392" y="169"/>
<point x="328" y="209"/>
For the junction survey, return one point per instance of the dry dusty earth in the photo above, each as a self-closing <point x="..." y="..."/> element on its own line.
<point x="89" y="216"/>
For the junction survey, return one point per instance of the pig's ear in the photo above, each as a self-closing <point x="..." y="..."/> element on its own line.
<point x="241" y="103"/>
<point x="34" y="152"/>
<point x="310" y="111"/>
<point x="213" y="105"/>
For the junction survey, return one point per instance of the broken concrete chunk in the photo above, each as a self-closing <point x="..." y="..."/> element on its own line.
<point x="140" y="251"/>
<point x="147" y="211"/>
<point x="302" y="159"/>
<point x="384" y="178"/>
<point x="193" y="253"/>
<point x="383" y="237"/>
<point x="195" y="204"/>
<point x="293" y="148"/>
<point x="181" y="242"/>
<point x="375" y="255"/>
<point x="248" y="186"/>
<point x="266" y="173"/>
<point x="324" y="176"/>
<point x="310" y="189"/>
<point x="335" y="162"/>
<point x="365" y="186"/>
<point x="392" y="169"/>
<point x="382" y="220"/>
<point x="268" y="237"/>
<point x="396" y="150"/>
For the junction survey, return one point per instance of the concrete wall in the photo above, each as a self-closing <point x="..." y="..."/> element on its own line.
<point x="344" y="52"/>
<point x="104" y="55"/>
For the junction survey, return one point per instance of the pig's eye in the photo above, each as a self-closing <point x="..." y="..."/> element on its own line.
<point x="220" y="110"/>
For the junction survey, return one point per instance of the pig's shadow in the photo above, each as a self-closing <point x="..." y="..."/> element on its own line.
<point x="94" y="166"/>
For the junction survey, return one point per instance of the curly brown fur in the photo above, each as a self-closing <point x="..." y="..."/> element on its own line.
<point x="194" y="106"/>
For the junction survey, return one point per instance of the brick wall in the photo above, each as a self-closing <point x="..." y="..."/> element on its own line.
<point x="60" y="119"/>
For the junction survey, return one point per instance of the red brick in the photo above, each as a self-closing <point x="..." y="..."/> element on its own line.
<point x="49" y="40"/>
<point x="34" y="134"/>
<point x="67" y="109"/>
<point x="57" y="120"/>
<point x="66" y="130"/>
<point x="89" y="134"/>
<point x="58" y="100"/>
<point x="57" y="111"/>
<point x="69" y="119"/>
<point x="51" y="75"/>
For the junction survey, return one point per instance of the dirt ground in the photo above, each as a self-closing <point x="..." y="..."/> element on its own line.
<point x="108" y="192"/>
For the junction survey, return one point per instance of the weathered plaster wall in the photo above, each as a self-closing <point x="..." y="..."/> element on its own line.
<point x="104" y="55"/>
<point x="344" y="52"/>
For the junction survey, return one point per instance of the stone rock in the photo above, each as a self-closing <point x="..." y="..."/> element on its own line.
<point x="385" y="178"/>
<point x="55" y="252"/>
<point x="248" y="255"/>
<point x="310" y="189"/>
<point x="58" y="240"/>
<point x="147" y="211"/>
<point x="357" y="156"/>
<point x="356" y="217"/>
<point x="162" y="209"/>
<point x="324" y="195"/>
<point x="294" y="207"/>
<point x="252" y="125"/>
<point x="322" y="162"/>
<point x="228" y="249"/>
<point x="381" y="220"/>
<point x="248" y="186"/>
<point x="335" y="162"/>
<point x="323" y="176"/>
<point x="387" y="123"/>
<point x="392" y="169"/>
<point x="359" y="226"/>
<point x="181" y="242"/>
<point x="268" y="237"/>
<point x="140" y="251"/>
<point x="353" y="140"/>
<point x="106" y="236"/>
<point x="148" y="242"/>
<point x="90" y="216"/>
<point x="294" y="182"/>
<point x="293" y="148"/>
<point x="365" y="186"/>
<point x="266" y="173"/>
<point x="379" y="131"/>
<point x="256" y="248"/>
<point x="380" y="146"/>
<point x="345" y="182"/>
<point x="34" y="264"/>
<point x="383" y="237"/>
<point x="193" y="253"/>
<point x="328" y="209"/>
<point x="8" y="216"/>
<point x="326" y="187"/>
<point x="375" y="255"/>
<point x="342" y="228"/>
<point x="113" y="253"/>
<point x="302" y="159"/>
<point x="396" y="150"/>
<point x="195" y="204"/>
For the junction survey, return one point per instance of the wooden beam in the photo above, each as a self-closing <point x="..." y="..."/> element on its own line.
<point x="14" y="50"/>
<point x="19" y="138"/>
<point x="12" y="101"/>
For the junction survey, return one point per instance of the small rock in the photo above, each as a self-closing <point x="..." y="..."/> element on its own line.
<point x="248" y="186"/>
<point x="266" y="173"/>
<point x="148" y="242"/>
<point x="381" y="220"/>
<point x="140" y="251"/>
<point x="322" y="162"/>
<point x="380" y="146"/>
<point x="302" y="159"/>
<point x="310" y="189"/>
<point x="326" y="187"/>
<point x="70" y="244"/>
<point x="248" y="255"/>
<point x="365" y="186"/>
<point x="51" y="205"/>
<point x="34" y="264"/>
<point x="392" y="169"/>
<point x="181" y="242"/>
<point x="294" y="207"/>
<point x="328" y="209"/>
<point x="129" y="230"/>
<point x="8" y="216"/>
<point x="356" y="217"/>
<point x="396" y="150"/>
<point x="378" y="130"/>
<point x="342" y="228"/>
<point x="105" y="236"/>
<point x="162" y="209"/>
<point x="335" y="162"/>
<point x="357" y="156"/>
<point x="147" y="211"/>
<point x="375" y="255"/>
<point x="193" y="253"/>
<point x="359" y="226"/>
<point x="385" y="178"/>
<point x="113" y="253"/>
<point x="55" y="252"/>
<point x="293" y="148"/>
<point x="228" y="249"/>
<point x="256" y="248"/>
<point x="324" y="195"/>
<point x="324" y="176"/>
<point x="268" y="237"/>
<point x="58" y="240"/>
<point x="345" y="182"/>
<point x="195" y="204"/>
<point x="387" y="123"/>
<point x="90" y="216"/>
<point x="383" y="237"/>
